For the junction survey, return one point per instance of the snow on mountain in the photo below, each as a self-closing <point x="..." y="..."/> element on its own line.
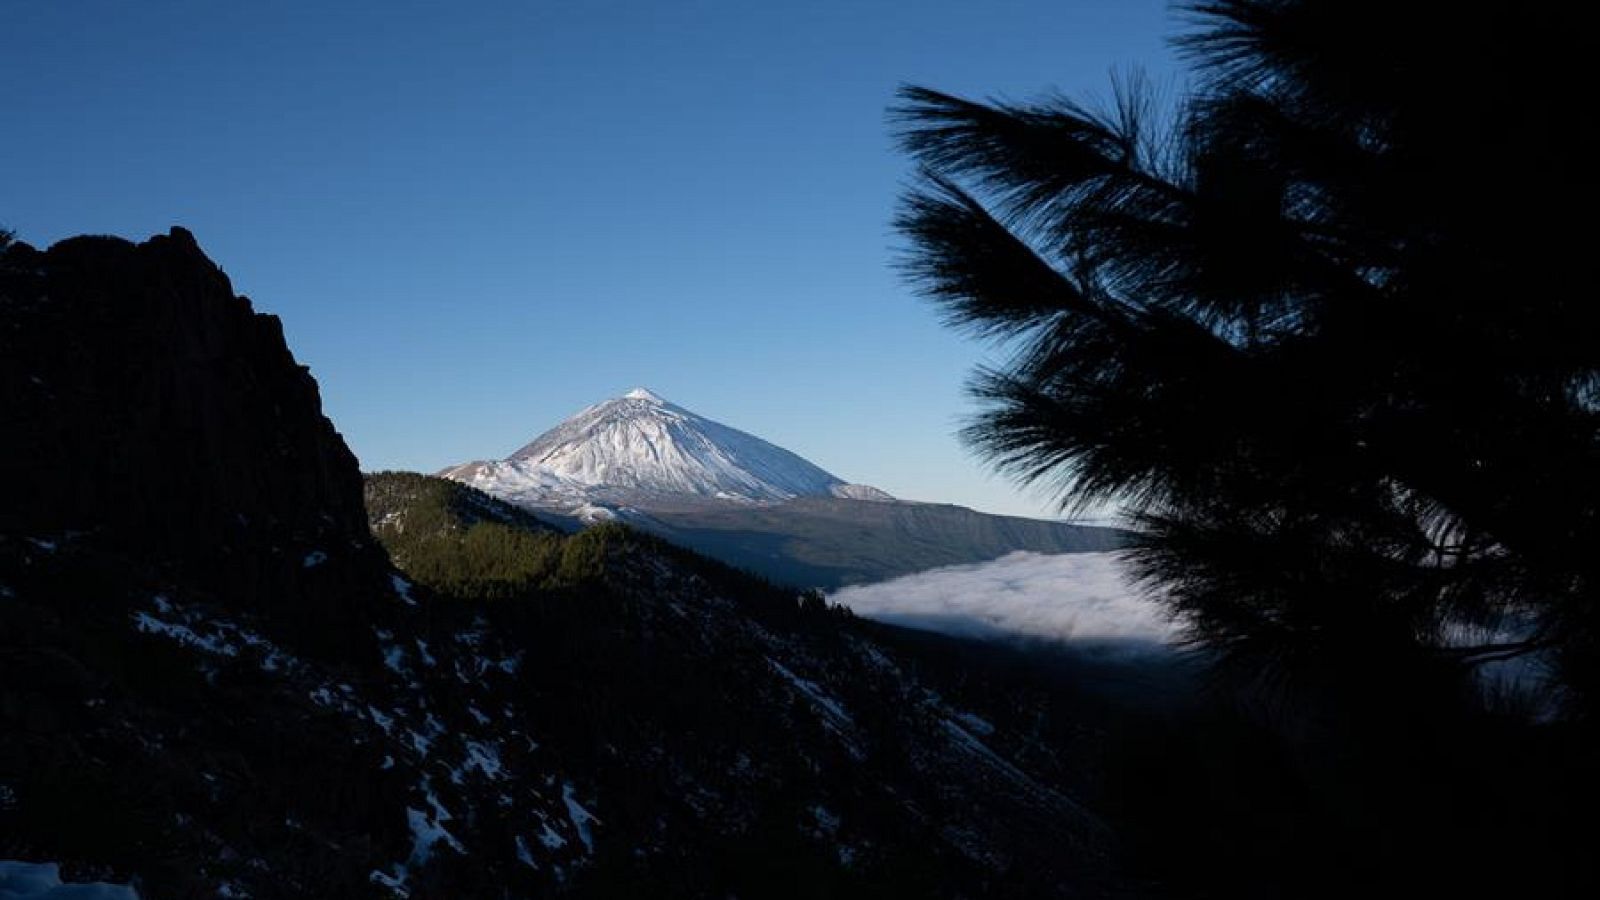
<point x="640" y="443"/>
<point x="861" y="492"/>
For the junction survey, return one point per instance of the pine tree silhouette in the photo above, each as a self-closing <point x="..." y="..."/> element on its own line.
<point x="1320" y="330"/>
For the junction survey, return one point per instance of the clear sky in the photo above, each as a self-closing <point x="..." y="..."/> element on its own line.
<point x="475" y="218"/>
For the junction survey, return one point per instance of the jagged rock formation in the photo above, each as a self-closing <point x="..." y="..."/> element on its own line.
<point x="150" y="411"/>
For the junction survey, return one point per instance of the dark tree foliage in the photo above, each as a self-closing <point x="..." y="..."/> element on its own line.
<point x="1321" y="328"/>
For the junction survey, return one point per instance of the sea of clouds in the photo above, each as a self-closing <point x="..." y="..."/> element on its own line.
<point x="1078" y="598"/>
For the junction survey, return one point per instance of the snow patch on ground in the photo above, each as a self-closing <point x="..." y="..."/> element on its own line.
<point x="42" y="881"/>
<point x="394" y="658"/>
<point x="379" y="719"/>
<point x="402" y="589"/>
<point x="974" y="723"/>
<point x="827" y="820"/>
<point x="481" y="756"/>
<point x="523" y="855"/>
<point x="396" y="883"/>
<point x="427" y="830"/>
<point x="218" y="637"/>
<point x="581" y="818"/>
<point x="829" y="706"/>
<point x="183" y="635"/>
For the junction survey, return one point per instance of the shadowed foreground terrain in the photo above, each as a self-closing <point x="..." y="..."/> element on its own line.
<point x="213" y="680"/>
<point x="229" y="666"/>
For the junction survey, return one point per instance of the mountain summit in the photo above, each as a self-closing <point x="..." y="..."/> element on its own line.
<point x="640" y="444"/>
<point x="652" y="464"/>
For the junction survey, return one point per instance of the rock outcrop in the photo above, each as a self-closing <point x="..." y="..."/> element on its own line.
<point x="149" y="410"/>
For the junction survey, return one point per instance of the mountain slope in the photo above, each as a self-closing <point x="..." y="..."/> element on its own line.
<point x="221" y="686"/>
<point x="766" y="731"/>
<point x="212" y="682"/>
<point x="828" y="543"/>
<point x="655" y="465"/>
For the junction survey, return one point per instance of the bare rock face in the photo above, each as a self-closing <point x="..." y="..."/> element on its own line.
<point x="148" y="409"/>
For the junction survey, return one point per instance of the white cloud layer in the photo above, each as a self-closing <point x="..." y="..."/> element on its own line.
<point x="1076" y="597"/>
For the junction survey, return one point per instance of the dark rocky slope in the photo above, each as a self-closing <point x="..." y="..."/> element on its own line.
<point x="213" y="682"/>
<point x="190" y="598"/>
<point x="150" y="412"/>
<point x="744" y="740"/>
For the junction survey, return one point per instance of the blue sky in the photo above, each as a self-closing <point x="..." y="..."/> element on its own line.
<point x="476" y="218"/>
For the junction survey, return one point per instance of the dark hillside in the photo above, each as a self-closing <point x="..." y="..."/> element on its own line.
<point x="750" y="722"/>
<point x="185" y="568"/>
<point x="149" y="411"/>
<point x="213" y="682"/>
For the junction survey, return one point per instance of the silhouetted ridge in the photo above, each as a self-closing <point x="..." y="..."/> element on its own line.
<point x="150" y="410"/>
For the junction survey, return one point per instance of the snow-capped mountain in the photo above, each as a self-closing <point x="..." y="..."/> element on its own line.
<point x="640" y="444"/>
<point x="659" y="467"/>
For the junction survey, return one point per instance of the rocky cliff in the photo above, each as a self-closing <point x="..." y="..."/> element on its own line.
<point x="148" y="410"/>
